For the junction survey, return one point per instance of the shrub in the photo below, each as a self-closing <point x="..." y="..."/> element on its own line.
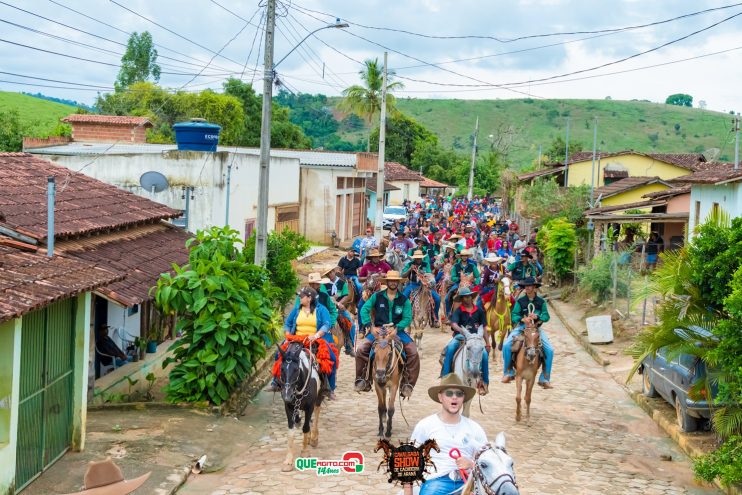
<point x="725" y="463"/>
<point x="283" y="248"/>
<point x="597" y="278"/>
<point x="223" y="304"/>
<point x="559" y="240"/>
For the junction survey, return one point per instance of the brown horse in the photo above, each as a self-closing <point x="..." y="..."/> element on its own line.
<point x="465" y="280"/>
<point x="499" y="321"/>
<point x="527" y="363"/>
<point x="422" y="306"/>
<point x="387" y="365"/>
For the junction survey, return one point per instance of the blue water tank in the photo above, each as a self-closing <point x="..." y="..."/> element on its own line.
<point x="197" y="135"/>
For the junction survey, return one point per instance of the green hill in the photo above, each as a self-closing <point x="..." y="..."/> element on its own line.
<point x="637" y="125"/>
<point x="40" y="116"/>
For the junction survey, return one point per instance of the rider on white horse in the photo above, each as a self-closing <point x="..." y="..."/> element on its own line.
<point x="528" y="302"/>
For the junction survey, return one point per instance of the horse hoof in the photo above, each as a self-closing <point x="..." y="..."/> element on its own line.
<point x="314" y="442"/>
<point x="287" y="467"/>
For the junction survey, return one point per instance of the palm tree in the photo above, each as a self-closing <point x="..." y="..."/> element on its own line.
<point x="365" y="100"/>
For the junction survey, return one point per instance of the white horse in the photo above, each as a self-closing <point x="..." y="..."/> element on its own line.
<point x="493" y="472"/>
<point x="467" y="364"/>
<point x="396" y="259"/>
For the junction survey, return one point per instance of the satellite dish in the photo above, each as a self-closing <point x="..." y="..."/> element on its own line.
<point x="153" y="181"/>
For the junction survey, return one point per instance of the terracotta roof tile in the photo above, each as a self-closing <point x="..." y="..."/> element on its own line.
<point x="624" y="185"/>
<point x="371" y="186"/>
<point x="542" y="173"/>
<point x="107" y="119"/>
<point x="712" y="174"/>
<point x="394" y="171"/>
<point x="141" y="254"/>
<point x="669" y="193"/>
<point x="426" y="182"/>
<point x="690" y="161"/>
<point x="83" y="204"/>
<point x="29" y="281"/>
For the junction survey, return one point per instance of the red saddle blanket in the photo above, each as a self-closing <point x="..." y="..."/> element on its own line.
<point x="324" y="359"/>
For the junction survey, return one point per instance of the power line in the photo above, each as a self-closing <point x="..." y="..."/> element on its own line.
<point x="531" y="36"/>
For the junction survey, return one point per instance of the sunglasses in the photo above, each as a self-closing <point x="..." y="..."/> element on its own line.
<point x="454" y="393"/>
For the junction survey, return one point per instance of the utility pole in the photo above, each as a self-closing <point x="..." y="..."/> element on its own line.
<point x="229" y="185"/>
<point x="261" y="235"/>
<point x="473" y="161"/>
<point x="566" y="156"/>
<point x="380" y="174"/>
<point x="595" y="149"/>
<point x="736" y="142"/>
<point x="539" y="156"/>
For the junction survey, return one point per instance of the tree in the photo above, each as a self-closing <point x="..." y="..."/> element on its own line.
<point x="11" y="131"/>
<point x="139" y="62"/>
<point x="403" y="134"/>
<point x="555" y="152"/>
<point x="680" y="99"/>
<point x="365" y="100"/>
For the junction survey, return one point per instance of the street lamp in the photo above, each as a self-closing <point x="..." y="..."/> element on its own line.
<point x="261" y="233"/>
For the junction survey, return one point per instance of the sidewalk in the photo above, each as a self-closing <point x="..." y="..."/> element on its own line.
<point x="617" y="364"/>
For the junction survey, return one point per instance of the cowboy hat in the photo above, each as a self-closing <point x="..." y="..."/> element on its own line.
<point x="418" y="255"/>
<point x="329" y="270"/>
<point x="526" y="254"/>
<point x="451" y="380"/>
<point x="465" y="252"/>
<point x="529" y="281"/>
<point x="106" y="478"/>
<point x="392" y="275"/>
<point x="492" y="258"/>
<point x="449" y="245"/>
<point x="454" y="237"/>
<point x="316" y="278"/>
<point x="374" y="253"/>
<point x="464" y="291"/>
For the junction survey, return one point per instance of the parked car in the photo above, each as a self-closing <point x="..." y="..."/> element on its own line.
<point x="671" y="377"/>
<point x="392" y="214"/>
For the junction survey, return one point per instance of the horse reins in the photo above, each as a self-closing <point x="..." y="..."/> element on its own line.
<point x="479" y="477"/>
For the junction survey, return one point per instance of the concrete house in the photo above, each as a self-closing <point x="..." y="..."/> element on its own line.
<point x="405" y="179"/>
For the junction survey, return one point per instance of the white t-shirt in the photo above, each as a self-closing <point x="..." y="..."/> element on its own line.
<point x="466" y="435"/>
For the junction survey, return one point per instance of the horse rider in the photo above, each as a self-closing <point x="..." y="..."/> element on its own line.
<point x="529" y="307"/>
<point x="374" y="265"/>
<point x="524" y="268"/>
<point x="310" y="319"/>
<point x="472" y="319"/>
<point x="338" y="290"/>
<point x="401" y="243"/>
<point x="368" y="243"/>
<point x="392" y="314"/>
<point x="350" y="265"/>
<point x="319" y="283"/>
<point x="451" y="430"/>
<point x="491" y="275"/>
<point x="418" y="265"/>
<point x="464" y="266"/>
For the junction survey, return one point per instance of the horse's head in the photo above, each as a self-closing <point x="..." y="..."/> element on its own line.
<point x="291" y="371"/>
<point x="372" y="283"/>
<point x="494" y="471"/>
<point x="384" y="444"/>
<point x="532" y="341"/>
<point x="505" y="281"/>
<point x="474" y="355"/>
<point x="383" y="357"/>
<point x="429" y="445"/>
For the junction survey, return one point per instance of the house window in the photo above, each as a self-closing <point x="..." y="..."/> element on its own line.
<point x="715" y="209"/>
<point x="697" y="213"/>
<point x="132" y="310"/>
<point x="406" y="191"/>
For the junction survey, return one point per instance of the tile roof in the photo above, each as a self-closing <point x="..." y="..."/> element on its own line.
<point x="83" y="205"/>
<point x="668" y="193"/>
<point x="720" y="172"/>
<point x="541" y="173"/>
<point x="431" y="183"/>
<point x="394" y="171"/>
<point x="106" y="119"/>
<point x="141" y="254"/>
<point x="29" y="281"/>
<point x="685" y="160"/>
<point x="627" y="206"/>
<point x="626" y="184"/>
<point x="371" y="185"/>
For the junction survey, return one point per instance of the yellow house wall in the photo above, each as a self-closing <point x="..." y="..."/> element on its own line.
<point x="632" y="196"/>
<point x="637" y="165"/>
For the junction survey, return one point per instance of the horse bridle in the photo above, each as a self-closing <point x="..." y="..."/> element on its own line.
<point x="506" y="478"/>
<point x="390" y="365"/>
<point x="300" y="393"/>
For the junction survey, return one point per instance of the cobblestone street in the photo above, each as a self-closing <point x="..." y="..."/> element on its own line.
<point x="586" y="436"/>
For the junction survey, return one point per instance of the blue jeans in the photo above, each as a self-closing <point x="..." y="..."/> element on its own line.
<point x="545" y="344"/>
<point x="483" y="291"/>
<point x="451" y="347"/>
<point x="352" y="342"/>
<point x="443" y="485"/>
<point x="436" y="298"/>
<point x="449" y="298"/>
<point x="439" y="276"/>
<point x="356" y="284"/>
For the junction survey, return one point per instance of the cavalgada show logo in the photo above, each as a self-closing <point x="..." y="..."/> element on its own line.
<point x="350" y="462"/>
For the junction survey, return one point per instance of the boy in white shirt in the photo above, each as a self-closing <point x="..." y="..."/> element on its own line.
<point x="450" y="430"/>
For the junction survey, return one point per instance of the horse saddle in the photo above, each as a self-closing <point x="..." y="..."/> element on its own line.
<point x="397" y="345"/>
<point x="518" y="341"/>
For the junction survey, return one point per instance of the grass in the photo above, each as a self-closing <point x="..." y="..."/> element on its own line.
<point x="41" y="116"/>
<point x="638" y="125"/>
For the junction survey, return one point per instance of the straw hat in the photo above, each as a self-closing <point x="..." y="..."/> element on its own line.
<point x="374" y="253"/>
<point x="329" y="270"/>
<point x="451" y="380"/>
<point x="106" y="478"/>
<point x="316" y="278"/>
<point x="418" y="255"/>
<point x="465" y="291"/>
<point x="465" y="252"/>
<point x="449" y="245"/>
<point x="392" y="275"/>
<point x="454" y="237"/>
<point x="492" y="258"/>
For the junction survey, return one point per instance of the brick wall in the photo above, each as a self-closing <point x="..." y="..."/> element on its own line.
<point x="92" y="132"/>
<point x="30" y="143"/>
<point x="367" y="161"/>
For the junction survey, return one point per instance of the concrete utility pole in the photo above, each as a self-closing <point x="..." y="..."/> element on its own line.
<point x="566" y="156"/>
<point x="736" y="142"/>
<point x="261" y="234"/>
<point x="473" y="161"/>
<point x="595" y="149"/>
<point x="380" y="174"/>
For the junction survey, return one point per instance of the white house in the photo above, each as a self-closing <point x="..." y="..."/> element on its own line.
<point x="718" y="187"/>
<point x="405" y="179"/>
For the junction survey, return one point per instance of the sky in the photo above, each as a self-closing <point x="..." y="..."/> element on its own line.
<point x="466" y="49"/>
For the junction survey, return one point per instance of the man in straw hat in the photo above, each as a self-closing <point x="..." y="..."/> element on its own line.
<point x="417" y="266"/>
<point x="374" y="265"/>
<point x="319" y="284"/>
<point x="529" y="307"/>
<point x="106" y="478"/>
<point x="392" y="315"/>
<point x="338" y="290"/>
<point x="491" y="274"/>
<point x="464" y="266"/>
<point x="451" y="430"/>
